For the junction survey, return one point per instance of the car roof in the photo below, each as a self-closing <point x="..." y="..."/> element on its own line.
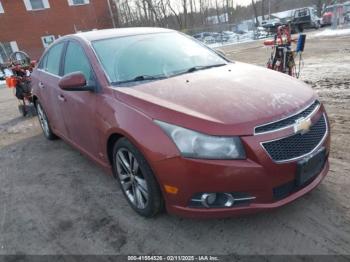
<point x="119" y="32"/>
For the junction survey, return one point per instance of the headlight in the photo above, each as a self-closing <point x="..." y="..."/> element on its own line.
<point x="196" y="145"/>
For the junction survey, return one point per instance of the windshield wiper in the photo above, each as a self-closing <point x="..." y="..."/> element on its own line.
<point x="197" y="68"/>
<point x="140" y="78"/>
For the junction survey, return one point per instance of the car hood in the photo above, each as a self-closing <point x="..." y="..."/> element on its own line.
<point x="229" y="100"/>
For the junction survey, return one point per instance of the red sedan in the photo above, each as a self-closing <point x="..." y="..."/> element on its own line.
<point x="180" y="126"/>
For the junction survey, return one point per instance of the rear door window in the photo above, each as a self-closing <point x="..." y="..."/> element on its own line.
<point x="54" y="59"/>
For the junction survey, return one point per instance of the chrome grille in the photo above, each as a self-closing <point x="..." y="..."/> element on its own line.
<point x="289" y="121"/>
<point x="298" y="145"/>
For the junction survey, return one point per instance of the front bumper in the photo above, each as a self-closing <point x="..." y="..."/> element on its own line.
<point x="258" y="176"/>
<point x="252" y="208"/>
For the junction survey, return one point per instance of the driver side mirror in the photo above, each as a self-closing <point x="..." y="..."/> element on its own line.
<point x="75" y="81"/>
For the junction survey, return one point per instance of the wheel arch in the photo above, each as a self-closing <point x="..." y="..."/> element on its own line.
<point x="117" y="135"/>
<point x="112" y="139"/>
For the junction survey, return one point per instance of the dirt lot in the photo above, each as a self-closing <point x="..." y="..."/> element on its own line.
<point x="55" y="201"/>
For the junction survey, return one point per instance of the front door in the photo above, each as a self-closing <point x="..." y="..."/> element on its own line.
<point x="79" y="108"/>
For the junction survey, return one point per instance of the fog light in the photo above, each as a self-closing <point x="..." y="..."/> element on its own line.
<point x="220" y="200"/>
<point x="229" y="200"/>
<point x="208" y="199"/>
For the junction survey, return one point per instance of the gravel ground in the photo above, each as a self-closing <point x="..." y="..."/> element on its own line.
<point x="55" y="201"/>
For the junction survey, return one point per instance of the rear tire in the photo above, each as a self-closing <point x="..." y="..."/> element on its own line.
<point x="136" y="179"/>
<point x="44" y="122"/>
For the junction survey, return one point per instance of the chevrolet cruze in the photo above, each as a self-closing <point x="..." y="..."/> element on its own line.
<point x="180" y="126"/>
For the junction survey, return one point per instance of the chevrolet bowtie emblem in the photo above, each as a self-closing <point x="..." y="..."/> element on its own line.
<point x="302" y="125"/>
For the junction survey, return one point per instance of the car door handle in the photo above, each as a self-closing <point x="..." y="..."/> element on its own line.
<point x="41" y="85"/>
<point x="61" y="98"/>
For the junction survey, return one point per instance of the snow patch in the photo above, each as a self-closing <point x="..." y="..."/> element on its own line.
<point x="217" y="45"/>
<point x="336" y="32"/>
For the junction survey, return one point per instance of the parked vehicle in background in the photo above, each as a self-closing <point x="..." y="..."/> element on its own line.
<point x="342" y="12"/>
<point x="230" y="36"/>
<point x="271" y="25"/>
<point x="346" y="12"/>
<point x="209" y="39"/>
<point x="199" y="36"/>
<point x="218" y="37"/>
<point x="206" y="37"/>
<point x="240" y="32"/>
<point x="195" y="132"/>
<point x="223" y="37"/>
<point x="327" y="16"/>
<point x="304" y="18"/>
<point x="260" y="33"/>
<point x="202" y="36"/>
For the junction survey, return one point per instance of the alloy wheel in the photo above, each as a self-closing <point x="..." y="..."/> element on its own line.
<point x="43" y="120"/>
<point x="131" y="178"/>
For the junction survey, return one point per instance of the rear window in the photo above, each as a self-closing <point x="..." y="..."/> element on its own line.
<point x="302" y="13"/>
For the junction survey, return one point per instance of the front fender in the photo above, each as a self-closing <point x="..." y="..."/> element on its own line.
<point x="122" y="119"/>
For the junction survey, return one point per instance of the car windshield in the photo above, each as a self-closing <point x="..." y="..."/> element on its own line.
<point x="153" y="56"/>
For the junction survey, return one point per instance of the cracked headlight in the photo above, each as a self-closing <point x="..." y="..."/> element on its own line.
<point x="192" y="144"/>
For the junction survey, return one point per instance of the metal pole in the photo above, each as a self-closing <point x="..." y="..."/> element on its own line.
<point x="111" y="13"/>
<point x="335" y="15"/>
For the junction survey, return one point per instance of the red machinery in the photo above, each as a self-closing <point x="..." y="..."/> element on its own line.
<point x="282" y="57"/>
<point x="21" y="67"/>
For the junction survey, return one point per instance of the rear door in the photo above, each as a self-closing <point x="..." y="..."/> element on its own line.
<point x="79" y="108"/>
<point x="49" y="90"/>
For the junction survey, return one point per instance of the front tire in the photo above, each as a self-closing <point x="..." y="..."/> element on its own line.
<point x="44" y="122"/>
<point x="136" y="179"/>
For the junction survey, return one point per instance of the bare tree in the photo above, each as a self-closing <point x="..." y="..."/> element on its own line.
<point x="228" y="11"/>
<point x="255" y="14"/>
<point x="176" y="14"/>
<point x="201" y="11"/>
<point x="185" y="14"/>
<point x="263" y="9"/>
<point x="217" y="11"/>
<point x="192" y="12"/>
<point x="145" y="11"/>
<point x="153" y="12"/>
<point x="184" y="6"/>
<point x="163" y="9"/>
